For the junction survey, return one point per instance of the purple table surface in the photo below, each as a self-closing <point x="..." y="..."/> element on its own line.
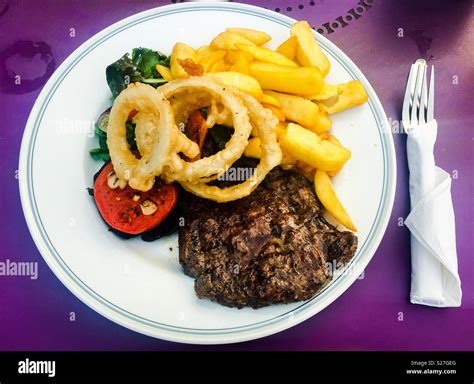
<point x="382" y="38"/>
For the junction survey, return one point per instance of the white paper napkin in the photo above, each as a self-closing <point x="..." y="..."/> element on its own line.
<point x="434" y="276"/>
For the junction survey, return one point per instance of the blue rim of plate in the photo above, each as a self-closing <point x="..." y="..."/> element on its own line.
<point x="386" y="200"/>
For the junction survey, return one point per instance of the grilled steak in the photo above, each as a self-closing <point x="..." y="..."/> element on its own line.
<point x="270" y="247"/>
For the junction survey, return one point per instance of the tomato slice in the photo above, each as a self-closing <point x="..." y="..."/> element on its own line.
<point x="196" y="130"/>
<point x="131" y="211"/>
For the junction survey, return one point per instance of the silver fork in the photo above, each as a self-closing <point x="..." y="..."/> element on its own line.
<point x="421" y="127"/>
<point x="418" y="104"/>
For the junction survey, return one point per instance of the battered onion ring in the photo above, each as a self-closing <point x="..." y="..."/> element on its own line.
<point x="146" y="131"/>
<point x="159" y="140"/>
<point x="184" y="105"/>
<point x="157" y="136"/>
<point x="216" y="165"/>
<point x="218" y="114"/>
<point x="264" y="123"/>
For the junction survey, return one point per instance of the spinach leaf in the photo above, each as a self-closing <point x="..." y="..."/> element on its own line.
<point x="221" y="135"/>
<point x="146" y="60"/>
<point x="140" y="67"/>
<point x="216" y="140"/>
<point x="100" y="154"/>
<point x="121" y="73"/>
<point x="130" y="127"/>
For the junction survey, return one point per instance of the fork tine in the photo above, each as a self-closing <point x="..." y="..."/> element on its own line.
<point x="408" y="96"/>
<point x="423" y="99"/>
<point x="421" y="66"/>
<point x="430" y="110"/>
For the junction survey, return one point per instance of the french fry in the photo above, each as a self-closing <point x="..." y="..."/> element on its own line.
<point x="294" y="80"/>
<point x="203" y="51"/>
<point x="181" y="51"/>
<point x="254" y="151"/>
<point x="327" y="92"/>
<point x="297" y="109"/>
<point x="334" y="140"/>
<point x="241" y="81"/>
<point x="266" y="55"/>
<point x="256" y="37"/>
<point x="323" y="123"/>
<point x="350" y="95"/>
<point x="208" y="61"/>
<point x="308" y="52"/>
<point x="269" y="99"/>
<point x="240" y="65"/>
<point x="324" y="136"/>
<point x="277" y="112"/>
<point x="228" y="40"/>
<point x="218" y="66"/>
<point x="165" y="72"/>
<point x="234" y="54"/>
<point x="327" y="196"/>
<point x="306" y="146"/>
<point x="288" y="48"/>
<point x="280" y="129"/>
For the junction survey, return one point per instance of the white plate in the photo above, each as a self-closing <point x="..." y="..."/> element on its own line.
<point x="140" y="285"/>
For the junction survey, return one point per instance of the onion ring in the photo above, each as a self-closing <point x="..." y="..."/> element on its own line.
<point x="217" y="164"/>
<point x="264" y="122"/>
<point x="157" y="136"/>
<point x="186" y="104"/>
<point x="159" y="140"/>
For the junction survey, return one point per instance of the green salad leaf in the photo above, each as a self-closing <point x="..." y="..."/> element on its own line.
<point x="146" y="60"/>
<point x="139" y="67"/>
<point x="121" y="73"/>
<point x="100" y="154"/>
<point x="130" y="127"/>
<point x="221" y="135"/>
